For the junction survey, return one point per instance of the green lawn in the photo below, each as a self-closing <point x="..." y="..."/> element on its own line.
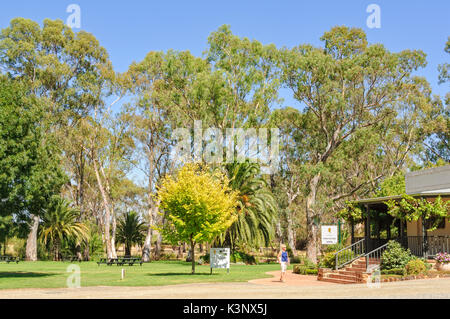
<point x="48" y="274"/>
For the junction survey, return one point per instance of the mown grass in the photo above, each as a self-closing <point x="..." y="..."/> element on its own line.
<point x="49" y="274"/>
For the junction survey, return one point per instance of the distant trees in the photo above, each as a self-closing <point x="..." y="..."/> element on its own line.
<point x="72" y="126"/>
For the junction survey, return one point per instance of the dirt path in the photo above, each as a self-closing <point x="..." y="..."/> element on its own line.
<point x="291" y="280"/>
<point x="295" y="287"/>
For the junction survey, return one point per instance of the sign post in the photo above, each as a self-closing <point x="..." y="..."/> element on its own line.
<point x="329" y="234"/>
<point x="219" y="258"/>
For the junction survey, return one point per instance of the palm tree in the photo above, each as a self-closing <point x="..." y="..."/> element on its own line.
<point x="130" y="231"/>
<point x="256" y="206"/>
<point x="60" y="221"/>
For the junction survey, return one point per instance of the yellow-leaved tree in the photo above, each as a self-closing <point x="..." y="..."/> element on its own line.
<point x="198" y="205"/>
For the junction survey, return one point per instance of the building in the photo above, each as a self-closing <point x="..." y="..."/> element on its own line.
<point x="380" y="227"/>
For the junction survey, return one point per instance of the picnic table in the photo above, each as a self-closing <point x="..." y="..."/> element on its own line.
<point x="120" y="261"/>
<point x="9" y="259"/>
<point x="70" y="258"/>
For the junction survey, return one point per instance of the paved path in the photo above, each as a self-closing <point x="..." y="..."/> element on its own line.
<point x="298" y="287"/>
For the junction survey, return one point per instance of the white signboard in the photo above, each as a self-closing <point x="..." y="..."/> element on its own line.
<point x="219" y="258"/>
<point x="329" y="235"/>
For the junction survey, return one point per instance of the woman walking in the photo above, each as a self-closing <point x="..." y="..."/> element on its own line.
<point x="283" y="259"/>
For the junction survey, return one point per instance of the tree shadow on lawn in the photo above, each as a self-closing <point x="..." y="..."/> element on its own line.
<point x="21" y="274"/>
<point x="181" y="274"/>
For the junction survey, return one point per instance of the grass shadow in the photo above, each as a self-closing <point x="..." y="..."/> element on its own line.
<point x="16" y="274"/>
<point x="180" y="274"/>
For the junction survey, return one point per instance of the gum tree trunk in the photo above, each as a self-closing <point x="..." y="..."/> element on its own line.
<point x="311" y="246"/>
<point x="31" y="249"/>
<point x="193" y="255"/>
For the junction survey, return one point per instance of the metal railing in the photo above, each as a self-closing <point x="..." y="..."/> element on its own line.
<point x="374" y="257"/>
<point x="416" y="244"/>
<point x="349" y="253"/>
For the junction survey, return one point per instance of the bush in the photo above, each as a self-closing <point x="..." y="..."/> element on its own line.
<point x="394" y="271"/>
<point x="295" y="260"/>
<point x="204" y="259"/>
<point x="395" y="256"/>
<point x="416" y="267"/>
<point x="307" y="262"/>
<point x="238" y="256"/>
<point x="334" y="248"/>
<point x="311" y="271"/>
<point x="328" y="260"/>
<point x="168" y="256"/>
<point x="304" y="270"/>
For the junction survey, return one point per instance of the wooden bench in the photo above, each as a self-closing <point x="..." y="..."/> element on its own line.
<point x="71" y="258"/>
<point x="120" y="261"/>
<point x="106" y="261"/>
<point x="130" y="261"/>
<point x="9" y="259"/>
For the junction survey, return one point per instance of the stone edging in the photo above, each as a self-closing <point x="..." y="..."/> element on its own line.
<point x="414" y="277"/>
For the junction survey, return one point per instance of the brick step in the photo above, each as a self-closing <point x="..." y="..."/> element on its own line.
<point x="338" y="281"/>
<point x="364" y="264"/>
<point x="348" y="272"/>
<point x="345" y="277"/>
<point x="371" y="260"/>
<point x="356" y="268"/>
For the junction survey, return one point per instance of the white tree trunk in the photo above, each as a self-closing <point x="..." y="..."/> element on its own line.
<point x="31" y="249"/>
<point x="146" y="251"/>
<point x="312" y="229"/>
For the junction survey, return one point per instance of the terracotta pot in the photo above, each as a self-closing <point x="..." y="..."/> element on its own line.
<point x="443" y="267"/>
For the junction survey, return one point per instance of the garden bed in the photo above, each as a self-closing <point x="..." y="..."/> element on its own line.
<point x="429" y="275"/>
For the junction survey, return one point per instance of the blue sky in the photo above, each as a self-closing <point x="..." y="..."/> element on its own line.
<point x="130" y="29"/>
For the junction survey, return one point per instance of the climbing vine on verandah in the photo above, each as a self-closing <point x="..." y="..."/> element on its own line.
<point x="411" y="209"/>
<point x="407" y="208"/>
<point x="352" y="212"/>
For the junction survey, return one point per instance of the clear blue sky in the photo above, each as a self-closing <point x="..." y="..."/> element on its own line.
<point x="129" y="29"/>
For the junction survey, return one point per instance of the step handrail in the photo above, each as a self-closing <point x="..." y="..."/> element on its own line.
<point x="357" y="247"/>
<point x="376" y="253"/>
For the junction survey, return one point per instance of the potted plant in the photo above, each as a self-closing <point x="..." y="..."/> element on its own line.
<point x="442" y="261"/>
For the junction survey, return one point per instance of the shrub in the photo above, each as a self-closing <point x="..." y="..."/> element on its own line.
<point x="334" y="248"/>
<point x="416" y="267"/>
<point x="394" y="271"/>
<point x="328" y="260"/>
<point x="395" y="256"/>
<point x="168" y="256"/>
<point x="311" y="271"/>
<point x="307" y="262"/>
<point x="295" y="260"/>
<point x="204" y="259"/>
<point x="238" y="256"/>
<point x="303" y="270"/>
